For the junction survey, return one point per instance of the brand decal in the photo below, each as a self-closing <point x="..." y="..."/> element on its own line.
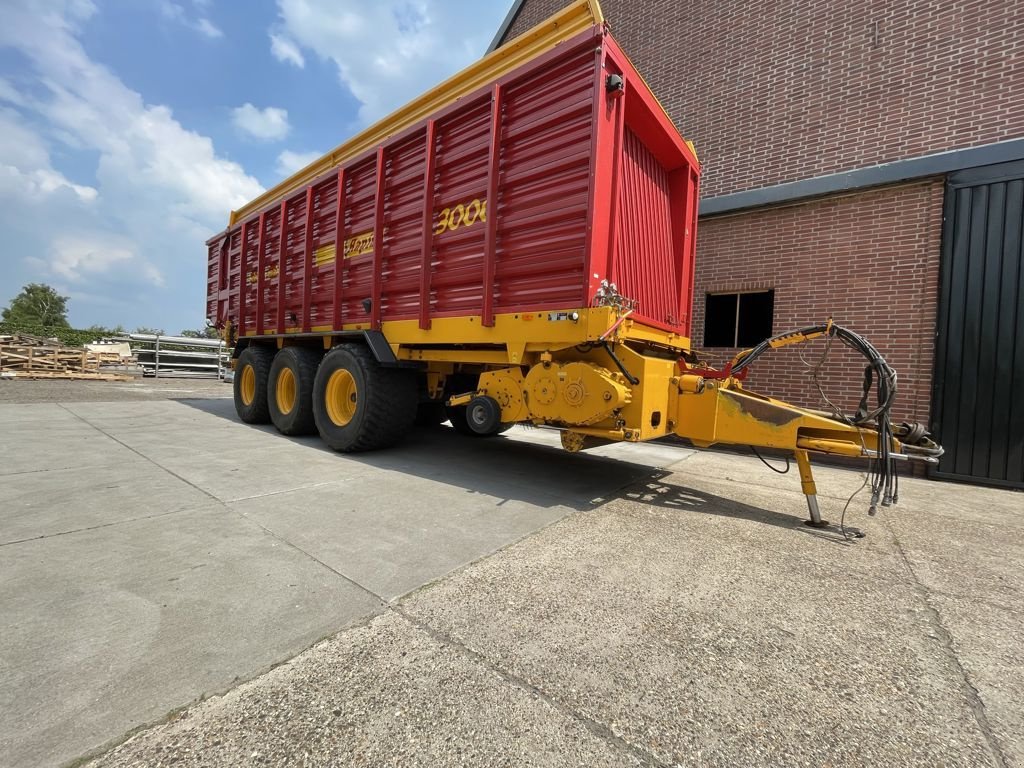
<point x="461" y="215"/>
<point x="268" y="274"/>
<point x="358" y="245"/>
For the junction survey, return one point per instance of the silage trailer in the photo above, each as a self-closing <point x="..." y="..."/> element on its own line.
<point x="514" y="246"/>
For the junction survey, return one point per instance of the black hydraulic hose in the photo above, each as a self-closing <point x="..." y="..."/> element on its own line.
<point x="884" y="480"/>
<point x="629" y="377"/>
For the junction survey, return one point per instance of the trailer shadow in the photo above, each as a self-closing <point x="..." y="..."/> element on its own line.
<point x="656" y="492"/>
<point x="516" y="469"/>
<point x="501" y="467"/>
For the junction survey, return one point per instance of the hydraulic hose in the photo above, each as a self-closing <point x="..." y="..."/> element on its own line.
<point x="878" y="374"/>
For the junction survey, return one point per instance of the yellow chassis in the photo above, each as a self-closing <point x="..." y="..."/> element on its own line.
<point x="598" y="376"/>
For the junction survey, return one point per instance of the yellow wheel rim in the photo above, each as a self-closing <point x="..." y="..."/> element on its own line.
<point x="285" y="390"/>
<point x="341" y="397"/>
<point x="248" y="388"/>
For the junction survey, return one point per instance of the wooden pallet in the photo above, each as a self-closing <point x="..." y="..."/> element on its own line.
<point x="77" y="375"/>
<point x="34" y="357"/>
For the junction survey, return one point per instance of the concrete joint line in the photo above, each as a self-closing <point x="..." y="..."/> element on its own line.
<point x="97" y="527"/>
<point x="285" y="490"/>
<point x="597" y="728"/>
<point x="50" y="469"/>
<point x="345" y="577"/>
<point x="227" y="506"/>
<point x="141" y="454"/>
<point x="974" y="700"/>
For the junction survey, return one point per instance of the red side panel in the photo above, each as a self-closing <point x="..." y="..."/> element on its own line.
<point x="654" y="192"/>
<point x="354" y="250"/>
<point x="321" y="249"/>
<point x="270" y="258"/>
<point x="544" y="186"/>
<point x="403" y="233"/>
<point x="517" y="198"/>
<point x="645" y="227"/>
<point x="460" y="190"/>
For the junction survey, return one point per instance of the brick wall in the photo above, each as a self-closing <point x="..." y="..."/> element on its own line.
<point x="869" y="260"/>
<point x="791" y="89"/>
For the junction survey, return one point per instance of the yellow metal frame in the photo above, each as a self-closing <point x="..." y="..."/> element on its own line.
<point x="512" y="339"/>
<point x="723" y="413"/>
<point x="579" y="16"/>
<point x="666" y="400"/>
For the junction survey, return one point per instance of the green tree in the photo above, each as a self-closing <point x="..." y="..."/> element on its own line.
<point x="150" y="331"/>
<point x="101" y="330"/>
<point x="38" y="304"/>
<point x="202" y="333"/>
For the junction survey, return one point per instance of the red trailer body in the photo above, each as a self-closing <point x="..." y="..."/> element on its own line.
<point x="521" y="196"/>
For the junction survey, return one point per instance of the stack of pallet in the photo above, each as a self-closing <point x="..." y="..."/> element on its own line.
<point x="32" y="357"/>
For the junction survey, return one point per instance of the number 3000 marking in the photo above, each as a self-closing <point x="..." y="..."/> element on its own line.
<point x="463" y="214"/>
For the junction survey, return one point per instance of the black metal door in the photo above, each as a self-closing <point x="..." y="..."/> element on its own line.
<point x="978" y="394"/>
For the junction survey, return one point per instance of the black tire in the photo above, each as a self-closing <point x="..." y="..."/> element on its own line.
<point x="431" y="414"/>
<point x="360" y="406"/>
<point x="290" y="390"/>
<point x="458" y="416"/>
<point x="483" y="415"/>
<point x="250" y="385"/>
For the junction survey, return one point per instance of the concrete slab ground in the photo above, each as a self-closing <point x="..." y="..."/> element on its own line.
<point x="690" y="620"/>
<point x="154" y="552"/>
<point x="651" y="606"/>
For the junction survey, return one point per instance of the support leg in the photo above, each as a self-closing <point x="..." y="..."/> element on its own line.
<point x="803" y="462"/>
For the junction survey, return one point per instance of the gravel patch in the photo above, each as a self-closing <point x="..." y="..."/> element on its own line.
<point x="387" y="693"/>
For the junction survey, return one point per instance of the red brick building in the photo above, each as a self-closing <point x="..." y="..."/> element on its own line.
<point x="864" y="161"/>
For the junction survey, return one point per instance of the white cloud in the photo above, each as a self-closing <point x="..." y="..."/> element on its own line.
<point x="177" y="13"/>
<point x="264" y="124"/>
<point x="25" y="168"/>
<point x="171" y="10"/>
<point x="39" y="184"/>
<point x="289" y="162"/>
<point x="206" y="27"/>
<point x="72" y="10"/>
<point x="160" y="189"/>
<point x="9" y="93"/>
<point x="74" y="256"/>
<point x="286" y="51"/>
<point x="153" y="275"/>
<point x="388" y="52"/>
<point x="83" y="255"/>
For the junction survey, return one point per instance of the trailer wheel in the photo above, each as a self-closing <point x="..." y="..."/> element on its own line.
<point x="250" y="386"/>
<point x="459" y="417"/>
<point x="360" y="406"/>
<point x="290" y="390"/>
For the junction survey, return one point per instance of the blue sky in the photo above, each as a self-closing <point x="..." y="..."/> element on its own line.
<point x="130" y="128"/>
